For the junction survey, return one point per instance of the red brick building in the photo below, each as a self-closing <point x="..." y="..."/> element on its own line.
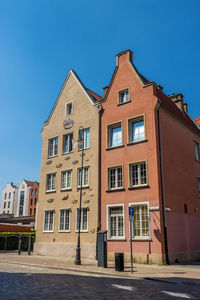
<point x="33" y="198"/>
<point x="149" y="160"/>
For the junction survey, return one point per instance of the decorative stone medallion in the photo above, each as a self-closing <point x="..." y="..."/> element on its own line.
<point x="49" y="200"/>
<point x="69" y="123"/>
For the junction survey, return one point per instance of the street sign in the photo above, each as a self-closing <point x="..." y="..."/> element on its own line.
<point x="131" y="213"/>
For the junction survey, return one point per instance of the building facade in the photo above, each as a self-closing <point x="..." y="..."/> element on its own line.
<point x="33" y="199"/>
<point x="74" y="114"/>
<point x="9" y="198"/>
<point x="149" y="160"/>
<point x="22" y="203"/>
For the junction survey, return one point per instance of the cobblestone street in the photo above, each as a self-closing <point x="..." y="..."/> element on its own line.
<point x="29" y="282"/>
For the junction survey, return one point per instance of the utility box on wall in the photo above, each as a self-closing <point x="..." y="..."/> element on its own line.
<point x="102" y="248"/>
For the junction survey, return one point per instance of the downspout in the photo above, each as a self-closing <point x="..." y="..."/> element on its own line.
<point x="163" y="213"/>
<point x="99" y="110"/>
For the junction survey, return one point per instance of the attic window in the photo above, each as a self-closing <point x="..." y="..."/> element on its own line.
<point x="69" y="108"/>
<point x="124" y="96"/>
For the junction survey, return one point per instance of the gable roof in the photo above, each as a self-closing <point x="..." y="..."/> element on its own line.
<point x="93" y="97"/>
<point x="171" y="107"/>
<point x="29" y="182"/>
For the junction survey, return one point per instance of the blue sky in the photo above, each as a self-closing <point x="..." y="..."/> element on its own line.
<point x="41" y="40"/>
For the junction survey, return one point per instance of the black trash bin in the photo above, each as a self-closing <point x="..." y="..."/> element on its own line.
<point x="119" y="261"/>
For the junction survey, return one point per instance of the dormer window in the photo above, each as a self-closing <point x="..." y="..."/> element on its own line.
<point x="69" y="108"/>
<point x="124" y="96"/>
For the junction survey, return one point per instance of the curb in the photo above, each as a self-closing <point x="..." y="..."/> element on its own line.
<point x="74" y="270"/>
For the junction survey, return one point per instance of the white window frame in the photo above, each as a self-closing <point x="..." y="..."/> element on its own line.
<point x="108" y="222"/>
<point x="130" y="129"/>
<point x="117" y="186"/>
<point x="81" y="230"/>
<point x="148" y="237"/>
<point x="84" y="130"/>
<point x="55" y="149"/>
<point x="68" y="138"/>
<point x="65" y="210"/>
<point x="196" y="151"/>
<point x="110" y="134"/>
<point x="48" y="221"/>
<point x="67" y="174"/>
<point x="83" y="175"/>
<point x="124" y="93"/>
<point x="66" y="108"/>
<point x="50" y="190"/>
<point x="138" y="173"/>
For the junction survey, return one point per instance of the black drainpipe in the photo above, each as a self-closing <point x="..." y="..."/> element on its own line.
<point x="162" y="185"/>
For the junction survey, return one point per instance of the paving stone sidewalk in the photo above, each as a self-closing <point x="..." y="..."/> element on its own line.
<point x="171" y="273"/>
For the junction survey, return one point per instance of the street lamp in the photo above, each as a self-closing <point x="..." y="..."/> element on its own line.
<point x="81" y="146"/>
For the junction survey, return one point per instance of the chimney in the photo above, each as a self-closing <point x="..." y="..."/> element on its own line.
<point x="197" y="120"/>
<point x="105" y="90"/>
<point x="178" y="100"/>
<point x="185" y="106"/>
<point x="127" y="54"/>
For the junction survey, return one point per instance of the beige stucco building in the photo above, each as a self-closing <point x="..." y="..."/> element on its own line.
<point x="76" y="108"/>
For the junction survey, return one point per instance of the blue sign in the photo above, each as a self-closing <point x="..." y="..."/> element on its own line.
<point x="131" y="211"/>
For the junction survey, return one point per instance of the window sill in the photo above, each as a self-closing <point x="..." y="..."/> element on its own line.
<point x="142" y="239"/>
<point x="66" y="189"/>
<point x="82" y="231"/>
<point x="67" y="153"/>
<point x="115" y="147"/>
<point x="51" y="191"/>
<point x="117" y="239"/>
<point x="60" y="231"/>
<point x="119" y="104"/>
<point x="139" y="187"/>
<point x="46" y="231"/>
<point x="137" y="142"/>
<point x="83" y="187"/>
<point x="50" y="157"/>
<point x="115" y="190"/>
<point x="80" y="150"/>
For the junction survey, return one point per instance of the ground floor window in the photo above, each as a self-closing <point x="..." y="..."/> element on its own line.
<point x="141" y="221"/>
<point x="64" y="220"/>
<point x="48" y="220"/>
<point x="84" y="219"/>
<point x="115" y="221"/>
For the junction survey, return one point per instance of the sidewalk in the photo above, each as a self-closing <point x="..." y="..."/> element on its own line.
<point x="172" y="273"/>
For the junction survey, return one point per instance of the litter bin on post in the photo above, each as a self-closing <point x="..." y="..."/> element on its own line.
<point x="119" y="261"/>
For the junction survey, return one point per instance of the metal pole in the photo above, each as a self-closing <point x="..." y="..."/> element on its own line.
<point x="19" y="246"/>
<point x="131" y="223"/>
<point x="78" y="249"/>
<point x="29" y="244"/>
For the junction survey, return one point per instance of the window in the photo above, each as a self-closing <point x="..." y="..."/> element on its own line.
<point x="198" y="187"/>
<point x="141" y="221"/>
<point x="123" y="96"/>
<point x="4" y="206"/>
<point x="9" y="197"/>
<point x="138" y="176"/>
<point x="84" y="134"/>
<point x="84" y="219"/>
<point x="115" y="179"/>
<point x="66" y="179"/>
<point x="32" y="192"/>
<point x="196" y="151"/>
<point x="85" y="177"/>
<point x="53" y="147"/>
<point x="69" y="109"/>
<point x="36" y="191"/>
<point x="31" y="212"/>
<point x="64" y="220"/>
<point x="21" y="203"/>
<point x="114" y="135"/>
<point x="51" y="182"/>
<point x="8" y="204"/>
<point x="31" y="201"/>
<point x="48" y="220"/>
<point x="68" y="143"/>
<point x="116" y="222"/>
<point x="136" y="129"/>
<point x="5" y="196"/>
<point x="34" y="211"/>
<point x="35" y="201"/>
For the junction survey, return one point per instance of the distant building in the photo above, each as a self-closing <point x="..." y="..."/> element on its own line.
<point x="8" y="198"/>
<point x="33" y="198"/>
<point x="23" y="198"/>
